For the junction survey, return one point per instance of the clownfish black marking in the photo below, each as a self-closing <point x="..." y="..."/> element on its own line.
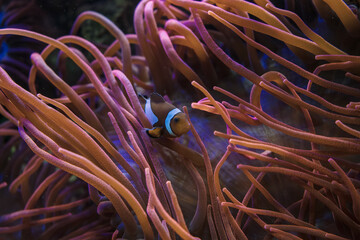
<point x="166" y="119"/>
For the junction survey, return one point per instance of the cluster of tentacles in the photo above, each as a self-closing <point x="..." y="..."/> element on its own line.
<point x="15" y="51"/>
<point x="76" y="162"/>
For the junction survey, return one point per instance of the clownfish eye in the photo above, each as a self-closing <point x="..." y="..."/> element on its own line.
<point x="176" y="120"/>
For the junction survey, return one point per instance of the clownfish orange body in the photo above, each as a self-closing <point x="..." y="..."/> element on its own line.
<point x="165" y="118"/>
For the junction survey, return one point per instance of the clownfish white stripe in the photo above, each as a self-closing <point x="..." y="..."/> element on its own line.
<point x="149" y="113"/>
<point x="170" y="116"/>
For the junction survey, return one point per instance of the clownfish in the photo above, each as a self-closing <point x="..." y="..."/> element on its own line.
<point x="165" y="118"/>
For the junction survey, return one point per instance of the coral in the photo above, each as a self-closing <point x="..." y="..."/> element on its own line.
<point x="272" y="153"/>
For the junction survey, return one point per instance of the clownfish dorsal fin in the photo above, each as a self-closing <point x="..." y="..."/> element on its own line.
<point x="142" y="99"/>
<point x="156" y="98"/>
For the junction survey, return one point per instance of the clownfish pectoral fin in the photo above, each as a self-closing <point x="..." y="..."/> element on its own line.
<point x="157" y="98"/>
<point x="154" y="132"/>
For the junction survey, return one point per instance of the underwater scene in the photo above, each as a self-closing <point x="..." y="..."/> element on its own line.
<point x="180" y="119"/>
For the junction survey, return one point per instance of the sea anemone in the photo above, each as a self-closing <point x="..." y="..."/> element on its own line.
<point x="15" y="51"/>
<point x="273" y="153"/>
